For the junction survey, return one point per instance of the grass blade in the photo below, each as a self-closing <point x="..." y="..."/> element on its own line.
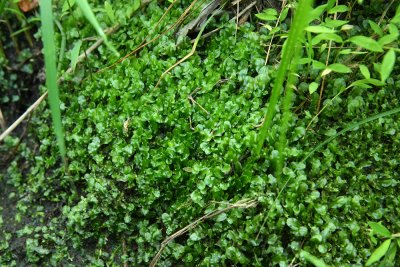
<point x="87" y="11"/>
<point x="301" y="20"/>
<point x="387" y="64"/>
<point x="46" y="16"/>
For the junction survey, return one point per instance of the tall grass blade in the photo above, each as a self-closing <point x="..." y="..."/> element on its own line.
<point x="301" y="20"/>
<point x="46" y="16"/>
<point x="87" y="11"/>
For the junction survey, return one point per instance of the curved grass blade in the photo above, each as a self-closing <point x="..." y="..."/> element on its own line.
<point x="46" y="16"/>
<point x="87" y="11"/>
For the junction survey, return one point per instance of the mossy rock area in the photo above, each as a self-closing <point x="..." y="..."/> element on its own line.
<point x="146" y="161"/>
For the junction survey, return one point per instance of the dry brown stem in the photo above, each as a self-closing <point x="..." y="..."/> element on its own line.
<point x="245" y="204"/>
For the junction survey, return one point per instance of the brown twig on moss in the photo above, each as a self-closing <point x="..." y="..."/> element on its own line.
<point x="2" y="121"/>
<point x="144" y="43"/>
<point x="188" y="55"/>
<point x="244" y="203"/>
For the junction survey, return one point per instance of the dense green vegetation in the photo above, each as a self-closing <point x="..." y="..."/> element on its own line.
<point x="145" y="161"/>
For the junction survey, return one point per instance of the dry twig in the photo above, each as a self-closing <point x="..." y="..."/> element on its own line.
<point x="124" y="251"/>
<point x="245" y="204"/>
<point x="2" y="121"/>
<point x="144" y="43"/>
<point x="190" y="97"/>
<point x="187" y="56"/>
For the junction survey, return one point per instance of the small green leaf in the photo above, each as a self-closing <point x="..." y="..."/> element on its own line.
<point x="67" y="4"/>
<point x="396" y="18"/>
<point x="133" y="7"/>
<point x="312" y="259"/>
<point x="387" y="39"/>
<point x="195" y="237"/>
<point x="366" y="82"/>
<point x="318" y="65"/>
<point x="377" y="67"/>
<point x="109" y="11"/>
<point x="326" y="37"/>
<point x="375" y="27"/>
<point x="136" y="5"/>
<point x="319" y="29"/>
<point x="273" y="30"/>
<point x="347" y="27"/>
<point x="391" y="254"/>
<point x="379" y="252"/>
<point x="304" y="60"/>
<point x="393" y="29"/>
<point x="367" y="43"/>
<point x="317" y="12"/>
<point x="284" y="14"/>
<point x="268" y="14"/>
<point x="221" y="217"/>
<point x="340" y="68"/>
<point x="326" y="72"/>
<point x="330" y="4"/>
<point x="380" y="229"/>
<point x="387" y="64"/>
<point x="391" y="37"/>
<point x="333" y="23"/>
<point x="338" y="9"/>
<point x="270" y="11"/>
<point x="75" y="54"/>
<point x="266" y="17"/>
<point x="313" y="87"/>
<point x="187" y="169"/>
<point x="364" y="71"/>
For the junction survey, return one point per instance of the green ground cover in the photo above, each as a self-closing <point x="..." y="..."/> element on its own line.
<point x="146" y="161"/>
